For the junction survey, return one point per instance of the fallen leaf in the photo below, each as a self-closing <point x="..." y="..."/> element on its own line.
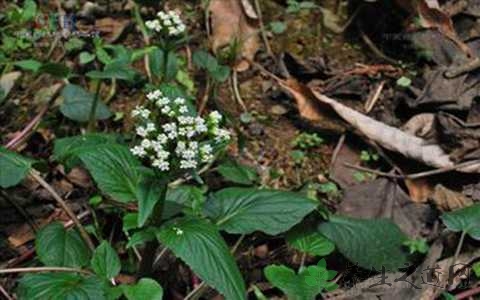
<point x="447" y="200"/>
<point x="7" y="82"/>
<point x="111" y="29"/>
<point x="419" y="189"/>
<point x="79" y="177"/>
<point x="230" y="24"/>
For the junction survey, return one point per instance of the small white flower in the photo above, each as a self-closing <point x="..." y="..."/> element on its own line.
<point x="138" y="151"/>
<point x="221" y="135"/>
<point x="178" y="231"/>
<point x="167" y="23"/>
<point x="188" y="164"/>
<point x="146" y="144"/>
<point x="162" y="138"/>
<point x="142" y="131"/>
<point x="183" y="109"/>
<point x="179" y="101"/>
<point x="150" y="127"/>
<point x="165" y="110"/>
<point x="162" y="154"/>
<point x="181" y="146"/>
<point x="161" y="164"/>
<point x="215" y="117"/>
<point x="163" y="101"/>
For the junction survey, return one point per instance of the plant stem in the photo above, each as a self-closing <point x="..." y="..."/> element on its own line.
<point x="83" y="233"/>
<point x="146" y="39"/>
<point x="44" y="269"/>
<point x="459" y="246"/>
<point x="93" y="110"/>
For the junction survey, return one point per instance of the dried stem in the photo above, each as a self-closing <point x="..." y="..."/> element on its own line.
<point x="83" y="233"/>
<point x="44" y="269"/>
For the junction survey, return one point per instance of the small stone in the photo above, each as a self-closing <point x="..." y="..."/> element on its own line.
<point x="278" y="110"/>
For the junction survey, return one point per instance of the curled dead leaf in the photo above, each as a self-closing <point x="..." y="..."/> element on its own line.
<point x="111" y="29"/>
<point x="230" y="24"/>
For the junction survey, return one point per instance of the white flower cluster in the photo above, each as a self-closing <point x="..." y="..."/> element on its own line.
<point x="168" y="22"/>
<point x="182" y="140"/>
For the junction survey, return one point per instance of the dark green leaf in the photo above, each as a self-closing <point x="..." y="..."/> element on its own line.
<point x="149" y="193"/>
<point x="13" y="168"/>
<point x="74" y="44"/>
<point x="200" y="245"/>
<point x="370" y="243"/>
<point x="245" y="210"/>
<point x="114" y="169"/>
<point x="78" y="102"/>
<point x="171" y="67"/>
<point x="297" y="286"/>
<point x="105" y="261"/>
<point x="55" y="246"/>
<point x="66" y="150"/>
<point x="55" y="69"/>
<point x="221" y="73"/>
<point x="204" y="60"/>
<point x="114" y="70"/>
<point x="66" y="286"/>
<point x="237" y="173"/>
<point x="141" y="237"/>
<point x="466" y="219"/>
<point x="145" y="289"/>
<point x="156" y="60"/>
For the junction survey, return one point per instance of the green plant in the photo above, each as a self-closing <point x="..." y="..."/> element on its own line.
<point x="368" y="156"/>
<point x="417" y="246"/>
<point x="305" y="141"/>
<point x="294" y="6"/>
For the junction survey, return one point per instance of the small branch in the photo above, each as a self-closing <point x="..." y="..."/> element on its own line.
<point x="4" y="293"/>
<point x="83" y="233"/>
<point x="236" y="91"/>
<point x="379" y="173"/>
<point x="262" y="29"/>
<point x="44" y="269"/>
<point x="459" y="246"/>
<point x="468" y="294"/>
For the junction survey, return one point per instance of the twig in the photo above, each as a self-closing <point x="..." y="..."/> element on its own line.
<point x="36" y="175"/>
<point x="443" y="170"/>
<point x="4" y="293"/>
<point x="376" y="172"/>
<point x="459" y="246"/>
<point x="44" y="269"/>
<point x="156" y="262"/>
<point x="373" y="100"/>
<point x="467" y="294"/>
<point x="262" y="29"/>
<point x="374" y="48"/>
<point x="338" y="147"/>
<point x="207" y="18"/>
<point x="236" y="91"/>
<point x="204" y="100"/>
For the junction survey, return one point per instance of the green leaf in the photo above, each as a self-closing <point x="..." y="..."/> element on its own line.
<point x="141" y="237"/>
<point x="148" y="194"/>
<point x="245" y="210"/>
<point x="200" y="245"/>
<point x="204" y="60"/>
<point x="466" y="219"/>
<point x="29" y="65"/>
<point x="55" y="246"/>
<point x="66" y="150"/>
<point x="370" y="243"/>
<point x="278" y="27"/>
<point x="105" y="261"/>
<point x="306" y="240"/>
<point x="114" y="70"/>
<point x="55" y="69"/>
<point x="74" y="44"/>
<point x="404" y="81"/>
<point x="171" y="67"/>
<point x="221" y="73"/>
<point x="14" y="168"/>
<point x="237" y="173"/>
<point x="78" y="102"/>
<point x="114" y="169"/>
<point x="295" y="286"/>
<point x="183" y="196"/>
<point x="61" y="286"/>
<point x="86" y="57"/>
<point x="29" y="10"/>
<point x="145" y="289"/>
<point x="156" y="59"/>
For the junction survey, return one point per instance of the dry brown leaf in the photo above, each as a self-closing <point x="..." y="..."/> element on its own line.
<point x="230" y="24"/>
<point x="7" y="82"/>
<point x="446" y="199"/>
<point x="111" y="29"/>
<point x="249" y="10"/>
<point x="419" y="189"/>
<point x="79" y="177"/>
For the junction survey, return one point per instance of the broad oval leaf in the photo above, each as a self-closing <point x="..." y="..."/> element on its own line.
<point x="13" y="168"/>
<point x="245" y="210"/>
<point x="145" y="289"/>
<point x="309" y="241"/>
<point x="105" y="261"/>
<point x="61" y="286"/>
<point x="114" y="70"/>
<point x="293" y="285"/>
<point x="201" y="246"/>
<point x="56" y="246"/>
<point x="370" y="243"/>
<point x="115" y="170"/>
<point x="78" y="102"/>
<point x="466" y="219"/>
